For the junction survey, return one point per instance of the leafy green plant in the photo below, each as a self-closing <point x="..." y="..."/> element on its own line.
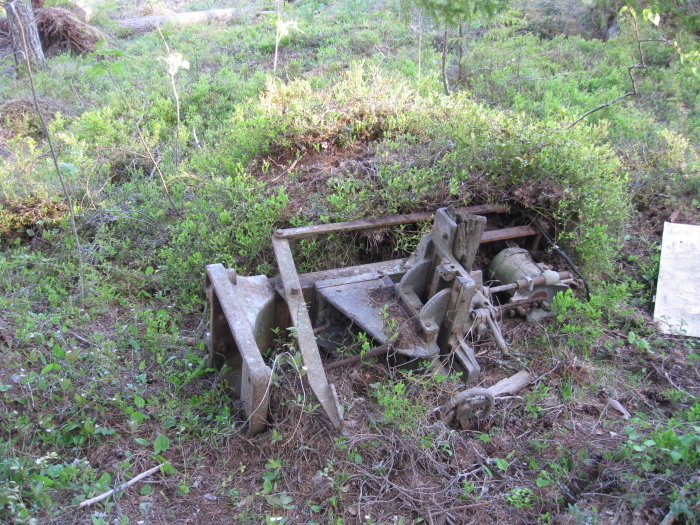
<point x="468" y="488"/>
<point x="671" y="450"/>
<point x="397" y="406"/>
<point x="501" y="464"/>
<point x="534" y="399"/>
<point x="579" y="321"/>
<point x="273" y="469"/>
<point x="678" y="443"/>
<point x="544" y="479"/>
<point x="520" y="498"/>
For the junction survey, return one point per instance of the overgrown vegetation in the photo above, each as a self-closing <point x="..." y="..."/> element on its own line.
<point x="172" y="168"/>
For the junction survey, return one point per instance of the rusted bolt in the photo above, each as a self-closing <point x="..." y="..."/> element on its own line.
<point x="232" y="276"/>
<point x="295" y="291"/>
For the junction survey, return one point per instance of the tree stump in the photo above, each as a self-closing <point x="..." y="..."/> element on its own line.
<point x="21" y="22"/>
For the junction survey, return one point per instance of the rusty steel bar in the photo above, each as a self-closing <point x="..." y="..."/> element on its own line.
<point x="508" y="233"/>
<point x="374" y="352"/>
<point x="524" y="283"/>
<point x="304" y="232"/>
<point x="232" y="337"/>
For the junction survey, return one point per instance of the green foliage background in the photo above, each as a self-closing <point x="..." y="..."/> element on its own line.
<point x="119" y="369"/>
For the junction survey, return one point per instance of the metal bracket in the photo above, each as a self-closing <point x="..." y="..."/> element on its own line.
<point x="233" y="347"/>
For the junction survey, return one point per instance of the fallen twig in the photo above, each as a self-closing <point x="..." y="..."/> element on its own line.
<point x="120" y="487"/>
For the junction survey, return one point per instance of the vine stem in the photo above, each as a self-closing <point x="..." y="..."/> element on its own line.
<point x="277" y="35"/>
<point x="45" y="129"/>
<point x="176" y="95"/>
<point x="142" y="138"/>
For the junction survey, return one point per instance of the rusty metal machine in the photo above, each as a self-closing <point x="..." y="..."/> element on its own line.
<point x="427" y="310"/>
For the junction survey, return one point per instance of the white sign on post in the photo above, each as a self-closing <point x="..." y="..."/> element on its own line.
<point x="677" y="309"/>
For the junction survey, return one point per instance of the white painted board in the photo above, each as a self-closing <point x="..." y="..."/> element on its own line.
<point x="677" y="309"/>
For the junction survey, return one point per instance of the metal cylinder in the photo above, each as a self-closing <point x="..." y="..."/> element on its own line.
<point x="513" y="264"/>
<point x="522" y="277"/>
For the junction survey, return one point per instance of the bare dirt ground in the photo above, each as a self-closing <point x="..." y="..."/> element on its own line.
<point x="378" y="473"/>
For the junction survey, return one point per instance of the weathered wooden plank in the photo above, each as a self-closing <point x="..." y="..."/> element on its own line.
<point x="677" y="308"/>
<point x="301" y="322"/>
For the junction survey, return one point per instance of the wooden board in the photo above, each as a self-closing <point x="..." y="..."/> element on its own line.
<point x="306" y="341"/>
<point x="677" y="309"/>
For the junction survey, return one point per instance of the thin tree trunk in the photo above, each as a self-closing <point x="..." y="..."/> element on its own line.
<point x="444" y="64"/>
<point x="277" y="35"/>
<point x="21" y="16"/>
<point x="420" y="45"/>
<point x="460" y="49"/>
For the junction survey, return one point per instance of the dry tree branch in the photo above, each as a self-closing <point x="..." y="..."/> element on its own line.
<point x="598" y="108"/>
<point x="156" y="164"/>
<point x="277" y="34"/>
<point x="120" y="487"/>
<point x="143" y="24"/>
<point x="9" y="6"/>
<point x="642" y="65"/>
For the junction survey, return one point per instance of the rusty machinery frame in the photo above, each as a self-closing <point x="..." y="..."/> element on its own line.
<point x="232" y="322"/>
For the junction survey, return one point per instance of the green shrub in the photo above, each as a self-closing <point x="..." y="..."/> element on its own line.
<point x="230" y="223"/>
<point x="398" y="408"/>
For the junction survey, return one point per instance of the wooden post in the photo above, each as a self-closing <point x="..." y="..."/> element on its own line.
<point x="22" y="26"/>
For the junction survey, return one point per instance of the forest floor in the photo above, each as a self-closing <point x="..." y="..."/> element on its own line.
<point x="170" y="171"/>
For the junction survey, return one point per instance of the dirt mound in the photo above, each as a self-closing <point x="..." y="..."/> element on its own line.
<point x="61" y="30"/>
<point x="18" y="116"/>
<point x="27" y="217"/>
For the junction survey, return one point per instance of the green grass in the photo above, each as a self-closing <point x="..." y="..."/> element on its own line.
<point x="126" y="367"/>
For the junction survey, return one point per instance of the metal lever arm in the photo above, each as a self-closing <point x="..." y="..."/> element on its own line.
<point x="306" y="340"/>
